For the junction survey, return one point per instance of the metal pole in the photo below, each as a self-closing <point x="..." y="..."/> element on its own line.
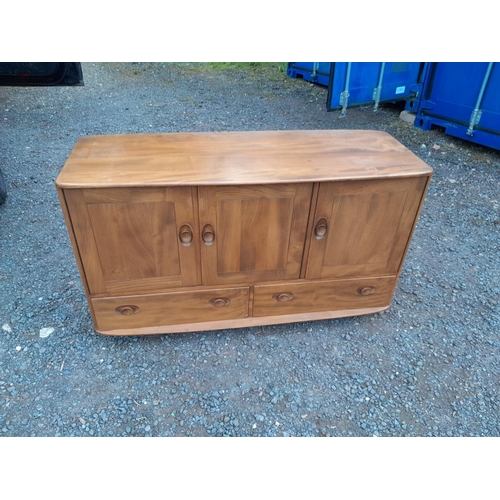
<point x="315" y="70"/>
<point x="344" y="96"/>
<point x="377" y="92"/>
<point x="476" y="114"/>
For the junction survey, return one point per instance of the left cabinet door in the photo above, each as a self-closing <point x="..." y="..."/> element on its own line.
<point x="134" y="240"/>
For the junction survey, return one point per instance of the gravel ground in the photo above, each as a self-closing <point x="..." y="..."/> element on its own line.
<point x="428" y="366"/>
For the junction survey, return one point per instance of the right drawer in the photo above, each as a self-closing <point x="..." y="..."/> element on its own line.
<point x="331" y="295"/>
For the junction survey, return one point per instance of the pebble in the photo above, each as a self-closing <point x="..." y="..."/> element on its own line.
<point x="45" y="332"/>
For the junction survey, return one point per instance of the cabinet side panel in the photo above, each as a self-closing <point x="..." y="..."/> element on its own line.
<point x="76" y="250"/>
<point x="85" y="238"/>
<point x="407" y="223"/>
<point x="414" y="226"/>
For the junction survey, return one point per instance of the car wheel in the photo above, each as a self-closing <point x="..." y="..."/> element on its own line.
<point x="3" y="189"/>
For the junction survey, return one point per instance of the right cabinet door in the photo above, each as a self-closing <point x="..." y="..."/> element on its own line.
<point x="361" y="228"/>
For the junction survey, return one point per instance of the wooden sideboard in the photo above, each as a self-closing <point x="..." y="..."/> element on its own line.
<point x="205" y="231"/>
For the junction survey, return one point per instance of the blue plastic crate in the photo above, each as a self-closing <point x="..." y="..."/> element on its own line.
<point x="361" y="83"/>
<point x="315" y="72"/>
<point x="463" y="99"/>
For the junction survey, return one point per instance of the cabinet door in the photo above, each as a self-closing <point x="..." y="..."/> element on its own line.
<point x="253" y="233"/>
<point x="136" y="239"/>
<point x="361" y="228"/>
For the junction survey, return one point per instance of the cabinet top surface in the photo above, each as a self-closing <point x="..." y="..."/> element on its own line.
<point x="236" y="158"/>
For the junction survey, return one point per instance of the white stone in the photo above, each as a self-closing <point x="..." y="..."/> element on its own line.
<point x="45" y="332"/>
<point x="407" y="116"/>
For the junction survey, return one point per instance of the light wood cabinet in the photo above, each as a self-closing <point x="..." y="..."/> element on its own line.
<point x="188" y="232"/>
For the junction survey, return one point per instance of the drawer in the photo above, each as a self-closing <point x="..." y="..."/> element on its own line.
<point x="140" y="311"/>
<point x="312" y="296"/>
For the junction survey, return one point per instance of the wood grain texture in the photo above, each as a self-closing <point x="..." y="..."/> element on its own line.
<point x="202" y="288"/>
<point x="369" y="223"/>
<point x="171" y="308"/>
<point x="259" y="232"/>
<point x="237" y="158"/>
<point x="76" y="251"/>
<point x="129" y="238"/>
<point x="310" y="228"/>
<point x="314" y="296"/>
<point x="414" y="226"/>
<point x="242" y="323"/>
<point x="82" y="227"/>
<point x="136" y="240"/>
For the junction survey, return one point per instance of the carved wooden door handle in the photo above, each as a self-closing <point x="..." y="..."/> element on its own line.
<point x="219" y="302"/>
<point x="367" y="290"/>
<point x="321" y="228"/>
<point x="127" y="310"/>
<point x="208" y="234"/>
<point x="283" y="297"/>
<point x="186" y="234"/>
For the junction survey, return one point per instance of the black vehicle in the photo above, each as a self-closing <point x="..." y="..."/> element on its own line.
<point x="30" y="74"/>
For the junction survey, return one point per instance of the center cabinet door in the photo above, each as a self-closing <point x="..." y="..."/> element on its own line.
<point x="252" y="233"/>
<point x="136" y="239"/>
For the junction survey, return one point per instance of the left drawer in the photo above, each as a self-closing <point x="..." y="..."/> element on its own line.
<point x="175" y="308"/>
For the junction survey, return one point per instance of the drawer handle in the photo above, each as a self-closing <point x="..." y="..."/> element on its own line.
<point x="220" y="302"/>
<point x="186" y="234"/>
<point x="127" y="310"/>
<point x="321" y="228"/>
<point x="367" y="290"/>
<point x="283" y="297"/>
<point x="208" y="234"/>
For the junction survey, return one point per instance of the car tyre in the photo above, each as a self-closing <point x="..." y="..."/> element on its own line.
<point x="3" y="189"/>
